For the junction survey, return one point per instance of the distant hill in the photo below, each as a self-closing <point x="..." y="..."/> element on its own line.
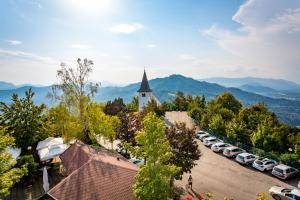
<point x="166" y="88"/>
<point x="275" y="88"/>
<point x="277" y="84"/>
<point x="6" y="85"/>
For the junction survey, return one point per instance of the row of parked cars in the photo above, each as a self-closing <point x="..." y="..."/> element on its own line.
<point x="241" y="156"/>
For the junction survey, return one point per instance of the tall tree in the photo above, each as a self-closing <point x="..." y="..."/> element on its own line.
<point x="133" y="106"/>
<point x="24" y="119"/>
<point x="154" y="178"/>
<point x="101" y="124"/>
<point x="76" y="91"/>
<point x="184" y="147"/>
<point x="114" y="107"/>
<point x="9" y="174"/>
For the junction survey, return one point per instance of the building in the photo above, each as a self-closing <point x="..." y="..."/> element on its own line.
<point x="94" y="174"/>
<point x="145" y="93"/>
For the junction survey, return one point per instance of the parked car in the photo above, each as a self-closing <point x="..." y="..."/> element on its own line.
<point x="202" y="137"/>
<point x="200" y="133"/>
<point x="219" y="146"/>
<point x="137" y="161"/>
<point x="232" y="151"/>
<point x="123" y="152"/>
<point x="284" y="172"/>
<point x="281" y="193"/>
<point x="210" y="141"/>
<point x="245" y="158"/>
<point x="263" y="164"/>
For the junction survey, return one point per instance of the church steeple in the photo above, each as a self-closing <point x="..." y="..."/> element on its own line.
<point x="145" y="85"/>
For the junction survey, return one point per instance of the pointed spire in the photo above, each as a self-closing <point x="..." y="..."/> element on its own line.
<point x="145" y="85"/>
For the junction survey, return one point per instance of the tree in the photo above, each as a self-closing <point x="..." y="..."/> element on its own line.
<point x="130" y="123"/>
<point x="196" y="113"/>
<point x="154" y="178"/>
<point x="9" y="174"/>
<point x="217" y="125"/>
<point x="184" y="147"/>
<point x="114" y="107"/>
<point x="228" y="101"/>
<point x="24" y="119"/>
<point x="153" y="106"/>
<point x="76" y="91"/>
<point x="60" y="122"/>
<point x="101" y="124"/>
<point x="180" y="103"/>
<point x="133" y="106"/>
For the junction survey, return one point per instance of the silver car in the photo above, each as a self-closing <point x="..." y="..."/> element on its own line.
<point x="210" y="141"/>
<point x="281" y="193"/>
<point x="284" y="172"/>
<point x="232" y="151"/>
<point x="219" y="146"/>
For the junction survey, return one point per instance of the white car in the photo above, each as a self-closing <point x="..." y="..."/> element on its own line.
<point x="200" y="133"/>
<point x="210" y="141"/>
<point x="232" y="151"/>
<point x="219" y="146"/>
<point x="245" y="158"/>
<point x="281" y="193"/>
<point x="284" y="172"/>
<point x="203" y="136"/>
<point x="263" y="164"/>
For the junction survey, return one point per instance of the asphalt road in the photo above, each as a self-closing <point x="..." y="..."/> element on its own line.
<point x="224" y="177"/>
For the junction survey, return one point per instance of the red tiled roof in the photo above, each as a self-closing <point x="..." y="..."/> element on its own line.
<point x="101" y="176"/>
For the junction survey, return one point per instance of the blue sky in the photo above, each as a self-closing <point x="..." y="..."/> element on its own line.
<point x="196" y="38"/>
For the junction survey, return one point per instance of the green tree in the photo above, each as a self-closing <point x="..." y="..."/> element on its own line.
<point x="184" y="147"/>
<point x="24" y="119"/>
<point x="133" y="106"/>
<point x="114" y="107"/>
<point x="9" y="174"/>
<point x="76" y="91"/>
<point x="101" y="124"/>
<point x="180" y="103"/>
<point x="61" y="123"/>
<point x="228" y="101"/>
<point x="154" y="178"/>
<point x="217" y="125"/>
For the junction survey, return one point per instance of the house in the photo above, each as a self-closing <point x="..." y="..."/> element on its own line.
<point x="94" y="174"/>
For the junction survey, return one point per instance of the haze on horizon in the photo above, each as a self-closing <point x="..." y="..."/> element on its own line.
<point x="197" y="38"/>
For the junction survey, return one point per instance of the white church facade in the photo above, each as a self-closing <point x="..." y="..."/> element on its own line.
<point x="145" y="93"/>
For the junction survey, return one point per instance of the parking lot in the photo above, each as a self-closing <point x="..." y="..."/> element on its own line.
<point x="224" y="177"/>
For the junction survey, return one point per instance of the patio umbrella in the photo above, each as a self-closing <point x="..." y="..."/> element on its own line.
<point x="45" y="180"/>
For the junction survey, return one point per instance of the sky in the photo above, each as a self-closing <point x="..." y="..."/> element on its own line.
<point x="195" y="38"/>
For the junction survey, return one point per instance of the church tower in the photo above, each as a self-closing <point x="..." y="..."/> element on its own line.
<point x="145" y="93"/>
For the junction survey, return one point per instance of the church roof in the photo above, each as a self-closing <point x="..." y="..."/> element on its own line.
<point x="145" y="85"/>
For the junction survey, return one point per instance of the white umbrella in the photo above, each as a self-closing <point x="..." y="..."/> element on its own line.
<point x="45" y="180"/>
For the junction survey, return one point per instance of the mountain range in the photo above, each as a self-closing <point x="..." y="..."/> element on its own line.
<point x="288" y="110"/>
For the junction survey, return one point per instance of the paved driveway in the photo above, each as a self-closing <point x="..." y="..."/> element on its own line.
<point x="224" y="177"/>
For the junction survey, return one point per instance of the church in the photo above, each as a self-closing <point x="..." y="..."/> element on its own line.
<point x="145" y="93"/>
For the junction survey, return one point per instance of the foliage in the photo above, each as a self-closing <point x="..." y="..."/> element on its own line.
<point x="61" y="123"/>
<point x="154" y="178"/>
<point x="114" y="107"/>
<point x="180" y="103"/>
<point x="217" y="125"/>
<point x="31" y="165"/>
<point x="75" y="92"/>
<point x="130" y="123"/>
<point x="133" y="106"/>
<point x="184" y="147"/>
<point x="153" y="106"/>
<point x="9" y="174"/>
<point x="24" y="119"/>
<point x="100" y="124"/>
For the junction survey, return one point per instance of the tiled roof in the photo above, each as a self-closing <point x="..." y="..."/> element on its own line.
<point x="145" y="85"/>
<point x="94" y="174"/>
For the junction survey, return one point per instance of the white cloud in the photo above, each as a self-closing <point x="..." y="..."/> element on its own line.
<point x="268" y="38"/>
<point x="126" y="28"/>
<point x="80" y="46"/>
<point x="26" y="55"/>
<point x="13" y="42"/>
